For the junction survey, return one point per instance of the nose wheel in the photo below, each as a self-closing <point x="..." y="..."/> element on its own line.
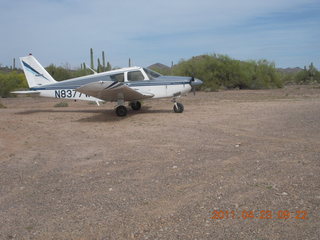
<point x="178" y="107"/>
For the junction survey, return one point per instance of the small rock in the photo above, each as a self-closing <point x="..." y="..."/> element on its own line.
<point x="175" y="167"/>
<point x="110" y="189"/>
<point x="284" y="194"/>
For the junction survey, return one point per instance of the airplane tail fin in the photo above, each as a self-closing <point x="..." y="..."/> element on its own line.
<point x="36" y="74"/>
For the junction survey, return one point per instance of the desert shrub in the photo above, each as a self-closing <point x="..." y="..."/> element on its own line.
<point x="61" y="104"/>
<point x="10" y="81"/>
<point x="220" y="71"/>
<point x="288" y="78"/>
<point x="64" y="73"/>
<point x="59" y="73"/>
<point x="265" y="76"/>
<point x="163" y="71"/>
<point x="308" y="75"/>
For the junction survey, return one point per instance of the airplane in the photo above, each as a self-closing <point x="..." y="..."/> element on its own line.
<point x="132" y="85"/>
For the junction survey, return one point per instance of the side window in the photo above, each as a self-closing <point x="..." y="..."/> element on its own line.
<point x="135" y="76"/>
<point x="117" y="77"/>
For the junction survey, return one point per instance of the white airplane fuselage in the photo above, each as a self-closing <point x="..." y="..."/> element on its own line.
<point x="160" y="87"/>
<point x="160" y="91"/>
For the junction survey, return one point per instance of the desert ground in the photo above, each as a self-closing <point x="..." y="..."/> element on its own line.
<point x="80" y="172"/>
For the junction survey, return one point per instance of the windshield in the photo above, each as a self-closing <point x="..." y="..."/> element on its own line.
<point x="151" y="74"/>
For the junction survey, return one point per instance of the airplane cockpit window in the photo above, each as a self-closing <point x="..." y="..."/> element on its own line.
<point x="117" y="77"/>
<point x="135" y="76"/>
<point x="151" y="74"/>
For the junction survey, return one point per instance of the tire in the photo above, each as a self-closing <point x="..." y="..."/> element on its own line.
<point x="178" y="108"/>
<point x="135" y="105"/>
<point x="121" y="111"/>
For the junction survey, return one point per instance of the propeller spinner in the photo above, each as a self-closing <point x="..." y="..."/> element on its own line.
<point x="193" y="83"/>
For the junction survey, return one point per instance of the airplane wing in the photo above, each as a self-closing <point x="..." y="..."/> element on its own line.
<point x="112" y="91"/>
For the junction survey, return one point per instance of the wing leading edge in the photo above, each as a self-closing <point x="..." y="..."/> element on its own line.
<point x="112" y="91"/>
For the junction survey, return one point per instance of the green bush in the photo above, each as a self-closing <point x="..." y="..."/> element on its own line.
<point x="61" y="104"/>
<point x="310" y="75"/>
<point x="64" y="73"/>
<point x="10" y="81"/>
<point x="220" y="71"/>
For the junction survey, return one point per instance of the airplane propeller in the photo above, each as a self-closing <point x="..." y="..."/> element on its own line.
<point x="193" y="89"/>
<point x="193" y="83"/>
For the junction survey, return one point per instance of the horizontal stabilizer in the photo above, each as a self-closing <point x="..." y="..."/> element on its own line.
<point x="25" y="92"/>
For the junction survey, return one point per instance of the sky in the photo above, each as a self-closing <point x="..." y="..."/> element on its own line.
<point x="61" y="32"/>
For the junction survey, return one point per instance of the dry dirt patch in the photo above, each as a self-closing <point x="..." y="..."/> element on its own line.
<point x="80" y="172"/>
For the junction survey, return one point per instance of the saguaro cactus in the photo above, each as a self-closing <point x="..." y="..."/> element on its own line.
<point x="99" y="66"/>
<point x="91" y="58"/>
<point x="108" y="66"/>
<point x="103" y="62"/>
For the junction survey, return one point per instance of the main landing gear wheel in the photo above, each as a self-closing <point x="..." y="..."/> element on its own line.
<point x="121" y="111"/>
<point x="135" y="105"/>
<point x="178" y="107"/>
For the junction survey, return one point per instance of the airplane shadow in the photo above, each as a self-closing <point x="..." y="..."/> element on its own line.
<point x="57" y="111"/>
<point x="110" y="116"/>
<point x="99" y="115"/>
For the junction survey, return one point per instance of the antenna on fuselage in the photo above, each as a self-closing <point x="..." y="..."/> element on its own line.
<point x="94" y="72"/>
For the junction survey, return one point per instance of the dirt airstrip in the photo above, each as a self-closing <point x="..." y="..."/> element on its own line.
<point x="234" y="165"/>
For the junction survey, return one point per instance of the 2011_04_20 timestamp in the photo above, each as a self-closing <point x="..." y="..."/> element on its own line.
<point x="259" y="214"/>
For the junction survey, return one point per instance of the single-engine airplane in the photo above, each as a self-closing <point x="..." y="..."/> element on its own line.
<point x="131" y="85"/>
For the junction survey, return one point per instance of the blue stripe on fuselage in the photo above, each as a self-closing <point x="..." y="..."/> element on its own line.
<point x="146" y="83"/>
<point x="129" y="84"/>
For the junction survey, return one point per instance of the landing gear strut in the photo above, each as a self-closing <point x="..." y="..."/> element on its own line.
<point x="135" y="105"/>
